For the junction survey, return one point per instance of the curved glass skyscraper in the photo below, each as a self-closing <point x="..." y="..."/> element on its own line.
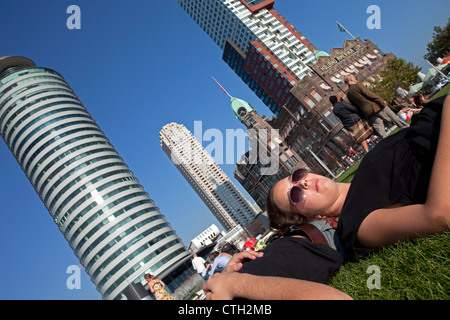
<point x="110" y="222"/>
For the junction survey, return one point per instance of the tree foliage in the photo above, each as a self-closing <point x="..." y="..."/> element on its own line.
<point x="440" y="46"/>
<point x="398" y="73"/>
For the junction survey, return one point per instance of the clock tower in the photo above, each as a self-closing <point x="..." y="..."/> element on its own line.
<point x="241" y="108"/>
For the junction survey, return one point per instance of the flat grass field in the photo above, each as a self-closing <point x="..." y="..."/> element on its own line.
<point x="416" y="270"/>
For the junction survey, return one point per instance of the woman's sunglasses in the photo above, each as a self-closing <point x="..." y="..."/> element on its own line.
<point x="296" y="194"/>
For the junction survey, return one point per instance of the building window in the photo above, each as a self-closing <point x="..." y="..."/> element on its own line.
<point x="309" y="102"/>
<point x="326" y="124"/>
<point x="316" y="96"/>
<point x="332" y="118"/>
<point x="289" y="164"/>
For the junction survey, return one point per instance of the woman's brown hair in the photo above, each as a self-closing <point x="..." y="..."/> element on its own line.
<point x="213" y="255"/>
<point x="281" y="220"/>
<point x="420" y="100"/>
<point x="149" y="276"/>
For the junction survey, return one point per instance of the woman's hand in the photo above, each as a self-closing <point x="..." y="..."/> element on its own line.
<point x="235" y="264"/>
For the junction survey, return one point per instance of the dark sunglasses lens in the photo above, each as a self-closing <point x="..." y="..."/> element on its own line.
<point x="299" y="174"/>
<point x="297" y="195"/>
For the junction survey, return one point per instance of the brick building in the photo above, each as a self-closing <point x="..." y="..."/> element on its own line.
<point x="307" y="123"/>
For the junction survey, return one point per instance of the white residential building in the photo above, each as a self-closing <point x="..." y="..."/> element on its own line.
<point x="205" y="238"/>
<point x="232" y="19"/>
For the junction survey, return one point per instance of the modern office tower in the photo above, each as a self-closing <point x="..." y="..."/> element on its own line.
<point x="262" y="47"/>
<point x="213" y="186"/>
<point x="105" y="215"/>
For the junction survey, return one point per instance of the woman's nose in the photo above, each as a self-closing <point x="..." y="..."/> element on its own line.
<point x="303" y="183"/>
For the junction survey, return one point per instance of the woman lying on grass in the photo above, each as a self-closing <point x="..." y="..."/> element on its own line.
<point x="400" y="191"/>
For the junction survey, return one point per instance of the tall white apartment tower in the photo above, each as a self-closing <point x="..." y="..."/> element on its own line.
<point x="260" y="45"/>
<point x="108" y="219"/>
<point x="213" y="186"/>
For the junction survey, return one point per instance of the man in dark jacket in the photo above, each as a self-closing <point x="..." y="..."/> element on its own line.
<point x="350" y="117"/>
<point x="373" y="107"/>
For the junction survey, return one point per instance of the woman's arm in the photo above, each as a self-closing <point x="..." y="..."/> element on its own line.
<point x="213" y="267"/>
<point x="230" y="285"/>
<point x="389" y="225"/>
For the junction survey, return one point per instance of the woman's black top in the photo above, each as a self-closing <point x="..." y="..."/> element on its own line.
<point x="299" y="258"/>
<point x="396" y="171"/>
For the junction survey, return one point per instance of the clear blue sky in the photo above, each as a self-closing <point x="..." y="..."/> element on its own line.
<point x="137" y="66"/>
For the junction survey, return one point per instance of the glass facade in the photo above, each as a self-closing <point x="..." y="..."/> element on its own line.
<point x="236" y="61"/>
<point x="106" y="216"/>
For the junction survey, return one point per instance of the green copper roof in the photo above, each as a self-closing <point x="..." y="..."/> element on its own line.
<point x="318" y="53"/>
<point x="238" y="106"/>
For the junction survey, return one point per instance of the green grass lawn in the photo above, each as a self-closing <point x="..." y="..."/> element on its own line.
<point x="443" y="91"/>
<point x="415" y="270"/>
<point x="347" y="176"/>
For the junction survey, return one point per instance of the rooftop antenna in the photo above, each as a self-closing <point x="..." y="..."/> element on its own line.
<point x="222" y="87"/>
